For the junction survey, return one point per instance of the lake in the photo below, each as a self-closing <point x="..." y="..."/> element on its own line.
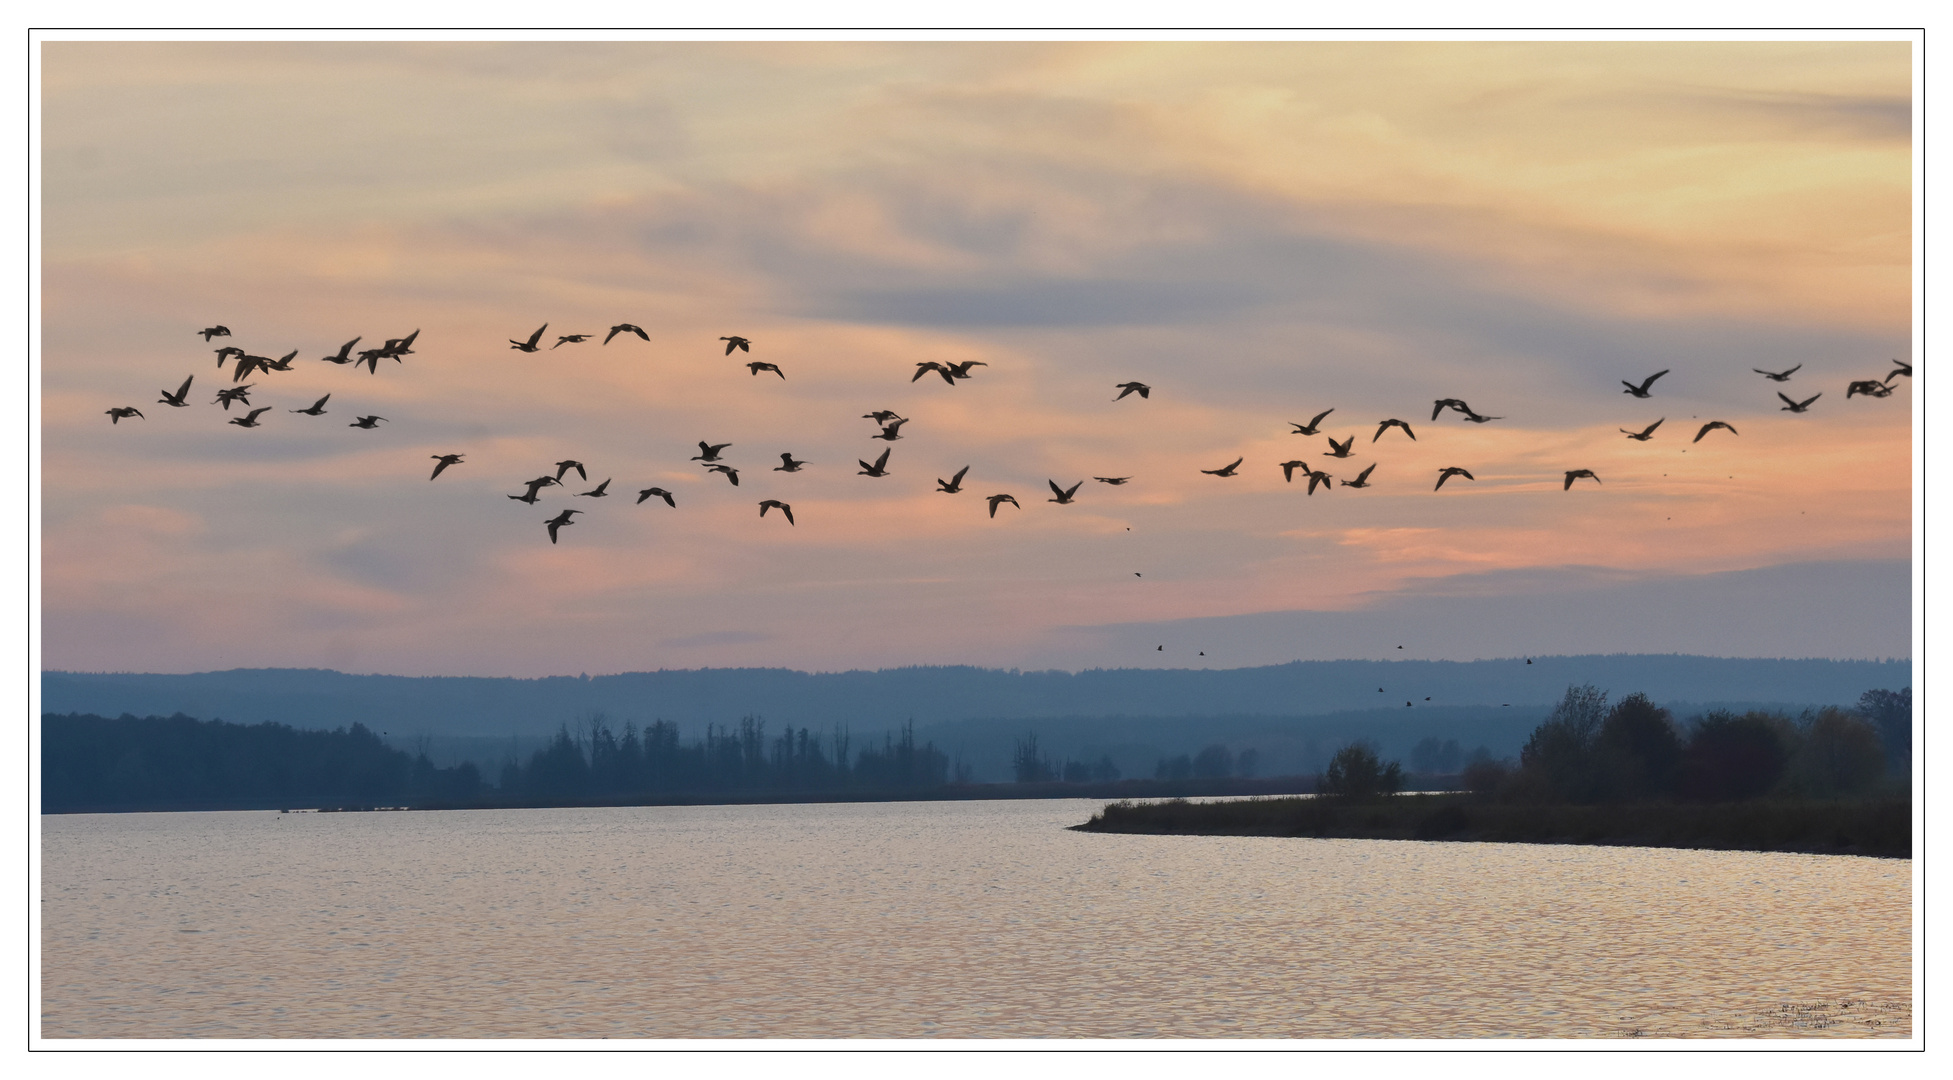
<point x="944" y="920"/>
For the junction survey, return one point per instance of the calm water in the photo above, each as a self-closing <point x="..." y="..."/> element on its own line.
<point x="935" y="920"/>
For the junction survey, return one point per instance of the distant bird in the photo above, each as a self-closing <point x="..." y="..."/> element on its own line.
<point x="1362" y="479"/>
<point x="1868" y="387"/>
<point x="597" y="492"/>
<point x="371" y="358"/>
<point x="1309" y="428"/>
<point x="928" y="366"/>
<point x="788" y="464"/>
<point x="399" y="347"/>
<point x="954" y="484"/>
<point x="1064" y="497"/>
<point x="1571" y="476"/>
<point x="1340" y="449"/>
<point x="1115" y="481"/>
<point x="209" y="332"/>
<point x="757" y="366"/>
<point x="1645" y="434"/>
<point x="1903" y="369"/>
<point x="1225" y="470"/>
<point x="737" y="342"/>
<point x="251" y="419"/>
<point x="626" y="328"/>
<point x="1315" y="477"/>
<point x="1139" y="388"/>
<point x="1776" y="376"/>
<point x="283" y="363"/>
<point x="881" y="416"/>
<point x="570" y="339"/>
<point x="317" y="409"/>
<point x="997" y="499"/>
<point x="529" y="345"/>
<point x="535" y="486"/>
<point x="1642" y="390"/>
<point x="565" y="466"/>
<point x="773" y="504"/>
<point x="1388" y="424"/>
<point x="730" y="473"/>
<point x="239" y="394"/>
<point x="226" y="353"/>
<point x="247" y="364"/>
<point x="176" y="400"/>
<point x="367" y="422"/>
<point x="1446" y="474"/>
<point x="559" y="521"/>
<point x="1442" y="404"/>
<point x="1473" y="418"/>
<point x="1711" y="426"/>
<point x="117" y="414"/>
<point x="709" y="452"/>
<point x="889" y="430"/>
<point x="1289" y="467"/>
<point x="879" y="468"/>
<point x="962" y="370"/>
<point x="442" y="461"/>
<point x="660" y="493"/>
<point x="1797" y="406"/>
<point x="344" y="355"/>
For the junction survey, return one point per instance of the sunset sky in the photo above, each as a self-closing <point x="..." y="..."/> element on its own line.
<point x="1259" y="231"/>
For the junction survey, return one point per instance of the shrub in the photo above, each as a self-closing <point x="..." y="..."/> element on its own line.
<point x="1355" y="772"/>
<point x="1558" y="758"/>
<point x="1891" y="713"/>
<point x="1638" y="751"/>
<point x="1733" y="757"/>
<point x="1837" y="753"/>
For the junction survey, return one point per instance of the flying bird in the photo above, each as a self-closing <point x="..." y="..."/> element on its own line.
<point x="1311" y="427"/>
<point x="1139" y="388"/>
<point x="1115" y="481"/>
<point x="570" y="339"/>
<point x="563" y="467"/>
<point x="879" y="468"/>
<point x="1711" y="426"/>
<point x="251" y="420"/>
<point x="344" y="355"/>
<point x="283" y="363"/>
<point x="1868" y="387"/>
<point x="1473" y="418"/>
<point x="317" y="409"/>
<point x="928" y="366"/>
<point x="996" y="499"/>
<point x="954" y="484"/>
<point x="1340" y="449"/>
<point x="1797" y="406"/>
<point x="757" y="366"/>
<point x="1571" y="476"/>
<point x="597" y="492"/>
<point x="881" y="416"/>
<point x="1289" y="467"/>
<point x="529" y="345"/>
<point x="176" y="400"/>
<point x="731" y="473"/>
<point x="737" y="342"/>
<point x="442" y="461"/>
<point x="1903" y="369"/>
<point x="626" y="328"/>
<point x="1064" y="497"/>
<point x="1388" y="424"/>
<point x="366" y="422"/>
<point x="1448" y="473"/>
<point x="248" y="364"/>
<point x="226" y="353"/>
<point x="117" y="414"/>
<point x="399" y="347"/>
<point x="535" y="486"/>
<point x="1362" y="479"/>
<point x="659" y="492"/>
<point x="890" y="429"/>
<point x="559" y="521"/>
<point x="1225" y="470"/>
<point x="239" y="394"/>
<point x="709" y="452"/>
<point x="1776" y="376"/>
<point x="1645" y="434"/>
<point x="962" y="370"/>
<point x="1642" y="390"/>
<point x="775" y="504"/>
<point x="209" y="332"/>
<point x="1442" y="404"/>
<point x="1316" y="477"/>
<point x="788" y="464"/>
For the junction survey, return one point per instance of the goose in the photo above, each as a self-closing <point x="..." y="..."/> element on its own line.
<point x="709" y="452"/>
<point x="928" y="366"/>
<point x="962" y="370"/>
<point x="1868" y="387"/>
<point x="1474" y="418"/>
<point x="1797" y="406"/>
<point x="1115" y="481"/>
<point x="399" y="347"/>
<point x="570" y="339"/>
<point x="737" y="342"/>
<point x="659" y="492"/>
<point x="1645" y="434"/>
<point x="1388" y="424"/>
<point x="879" y="468"/>
<point x="728" y="471"/>
<point x="209" y="332"/>
<point x="317" y="409"/>
<point x="1442" y="404"/>
<point x="1340" y="449"/>
<point x="788" y="464"/>
<point x="1225" y="470"/>
<point x="344" y="355"/>
<point x="775" y="504"/>
<point x="559" y="521"/>
<point x="121" y="412"/>
<point x="1711" y="426"/>
<point x="626" y="328"/>
<point x="442" y="461"/>
<point x="1448" y="473"/>
<point x="954" y="484"/>
<point x="995" y="500"/>
<point x="247" y="364"/>
<point x="1571" y="476"/>
<point x="367" y="422"/>
<point x="251" y="419"/>
<point x="563" y="467"/>
<point x="1289" y="467"/>
<point x="757" y="366"/>
<point x="1316" y="477"/>
<point x="1139" y="388"/>
<point x="1362" y="479"/>
<point x="1642" y="390"/>
<point x="890" y="430"/>
<point x="1311" y="427"/>
<point x="1064" y="497"/>
<point x="226" y="353"/>
<point x="1903" y="369"/>
<point x="535" y="486"/>
<point x="1776" y="376"/>
<point x="529" y="345"/>
<point x="175" y="400"/>
<point x="597" y="492"/>
<point x="881" y="416"/>
<point x="239" y="394"/>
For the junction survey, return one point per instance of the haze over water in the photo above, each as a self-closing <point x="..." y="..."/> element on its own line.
<point x="936" y="920"/>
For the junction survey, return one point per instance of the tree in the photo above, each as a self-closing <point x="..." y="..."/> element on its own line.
<point x="1558" y="759"/>
<point x="1892" y="713"/>
<point x="1637" y="750"/>
<point x="1733" y="757"/>
<point x="1356" y="773"/>
<point x="1027" y="764"/>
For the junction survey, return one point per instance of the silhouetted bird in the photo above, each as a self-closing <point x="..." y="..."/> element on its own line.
<point x="771" y="504"/>
<point x="879" y="468"/>
<point x="995" y="500"/>
<point x="1776" y="376"/>
<point x="1571" y="476"/>
<point x="442" y="461"/>
<point x="1903" y="369"/>
<point x="226" y="353"/>
<point x="889" y="431"/>
<point x="928" y="366"/>
<point x="1711" y="426"/>
<point x="1797" y="406"/>
<point x="1225" y="470"/>
<point x="881" y="416"/>
<point x="1388" y="424"/>
<point x="1362" y="479"/>
<point x="1645" y="434"/>
<point x="757" y="366"/>
<point x="1473" y="418"/>
<point x="1139" y="388"/>
<point x="954" y="484"/>
<point x="559" y="521"/>
<point x="962" y="370"/>
<point x="563" y="467"/>
<point x="597" y="492"/>
<point x="1309" y="428"/>
<point x="535" y="486"/>
<point x="660" y="493"/>
<point x="1289" y="467"/>
<point x="399" y="347"/>
<point x="1642" y="390"/>
<point x="570" y="339"/>
<point x="1064" y="497"/>
<point x="788" y="464"/>
<point x="709" y="452"/>
<point x="1328" y="483"/>
<point x="120" y="412"/>
<point x="529" y="345"/>
<point x="251" y="419"/>
<point x="283" y="363"/>
<point x="344" y="355"/>
<point x="1446" y="474"/>
<point x="728" y="471"/>
<point x="317" y="409"/>
<point x="1868" y="387"/>
<point x="209" y="332"/>
<point x="176" y="400"/>
<point x="1115" y="481"/>
<point x="247" y="364"/>
<point x="1340" y="449"/>
<point x="239" y="394"/>
<point x="1442" y="404"/>
<point x="737" y="342"/>
<point x="367" y="421"/>
<point x="626" y="328"/>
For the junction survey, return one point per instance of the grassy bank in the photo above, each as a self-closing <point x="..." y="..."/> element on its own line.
<point x="1855" y="827"/>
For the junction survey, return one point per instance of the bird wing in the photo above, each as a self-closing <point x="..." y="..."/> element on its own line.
<point x="1319" y="417"/>
<point x="1787" y="400"/>
<point x="1807" y="401"/>
<point x="1652" y="378"/>
<point x="1365" y="474"/>
<point x="883" y="460"/>
<point x="184" y="389"/>
<point x="958" y="478"/>
<point x="1055" y="489"/>
<point x="533" y="338"/>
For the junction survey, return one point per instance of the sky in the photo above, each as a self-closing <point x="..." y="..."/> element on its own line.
<point x="1258" y="231"/>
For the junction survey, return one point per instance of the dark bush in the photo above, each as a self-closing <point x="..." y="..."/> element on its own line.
<point x="1891" y="713"/>
<point x="1356" y="773"/>
<point x="1638" y="751"/>
<point x="1733" y="757"/>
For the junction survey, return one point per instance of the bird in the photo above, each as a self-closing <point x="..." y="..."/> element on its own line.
<point x="529" y="345"/>
<point x="954" y="484"/>
<point x="659" y="492"/>
<point x="566" y="465"/>
<point x="1115" y="481"/>
<point x="737" y="342"/>
<point x="226" y="353"/>
<point x="283" y="363"/>
<point x="1903" y="369"/>
<point x="559" y="521"/>
<point x="771" y="504"/>
<point x="928" y="366"/>
<point x="597" y="492"/>
<point x="731" y="473"/>
<point x="1064" y="497"/>
<point x="881" y="416"/>
<point x="535" y="486"/>
<point x="1388" y="424"/>
<point x="317" y="409"/>
<point x="366" y="422"/>
<point x="997" y="499"/>
<point x="176" y="400"/>
<point x="1309" y="428"/>
<point x="1225" y="470"/>
<point x="209" y="332"/>
<point x="117" y="414"/>
<point x="239" y="394"/>
<point x="889" y="430"/>
<point x="1473" y="418"/>
<point x="626" y="328"/>
<point x="1642" y="390"/>
<point x="399" y="347"/>
<point x="1289" y="467"/>
<point x="1139" y="388"/>
<point x="788" y="464"/>
<point x="1446" y="474"/>
<point x="251" y="419"/>
<point x="371" y="358"/>
<point x="1328" y="482"/>
<point x="709" y="452"/>
<point x="1362" y="479"/>
<point x="247" y="364"/>
<point x="1571" y="476"/>
<point x="344" y="355"/>
<point x="879" y="468"/>
<point x="442" y="461"/>
<point x="1442" y="404"/>
<point x="757" y="366"/>
<point x="1868" y="387"/>
<point x="570" y="339"/>
<point x="1711" y="426"/>
<point x="962" y="370"/>
<point x="1645" y="434"/>
<point x="1340" y="449"/>
<point x="1775" y="376"/>
<point x="1797" y="406"/>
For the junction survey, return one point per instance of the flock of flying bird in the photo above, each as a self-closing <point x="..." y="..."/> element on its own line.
<point x="709" y="456"/>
